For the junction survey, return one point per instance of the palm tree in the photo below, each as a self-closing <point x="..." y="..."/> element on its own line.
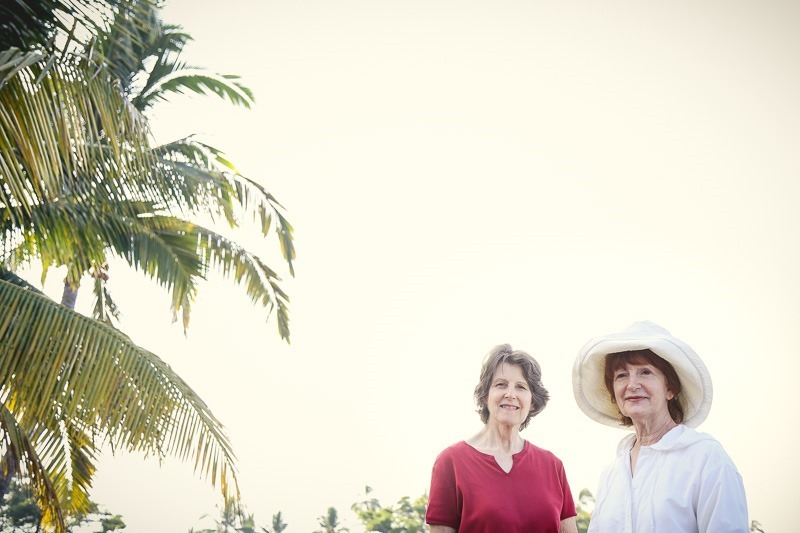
<point x="278" y="525"/>
<point x="158" y="237"/>
<point x="329" y="522"/>
<point x="80" y="183"/>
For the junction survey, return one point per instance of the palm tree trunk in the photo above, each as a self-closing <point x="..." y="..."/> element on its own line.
<point x="70" y="295"/>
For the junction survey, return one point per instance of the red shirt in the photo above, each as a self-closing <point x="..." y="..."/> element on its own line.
<point x="471" y="493"/>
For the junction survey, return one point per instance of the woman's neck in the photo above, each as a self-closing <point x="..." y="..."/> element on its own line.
<point x="498" y="439"/>
<point x="650" y="432"/>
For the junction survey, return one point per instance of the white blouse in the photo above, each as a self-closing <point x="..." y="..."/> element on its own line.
<point x="684" y="483"/>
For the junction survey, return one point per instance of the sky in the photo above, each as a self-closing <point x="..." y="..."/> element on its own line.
<point x="462" y="174"/>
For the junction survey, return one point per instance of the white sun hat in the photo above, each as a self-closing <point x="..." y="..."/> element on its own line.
<point x="588" y="381"/>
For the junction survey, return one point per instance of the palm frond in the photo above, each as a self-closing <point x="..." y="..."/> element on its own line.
<point x="201" y="82"/>
<point x="64" y="131"/>
<point x="10" y="277"/>
<point x="26" y="23"/>
<point x="50" y="129"/>
<point x="119" y="45"/>
<point x="69" y="455"/>
<point x="202" y="168"/>
<point x="58" y="363"/>
<point x="174" y="252"/>
<point x="12" y="60"/>
<point x="261" y="283"/>
<point x="43" y="24"/>
<point x="151" y="70"/>
<point x="80" y="237"/>
<point x="165" y="249"/>
<point x="178" y="254"/>
<point x="267" y="208"/>
<point x="21" y="456"/>
<point x="195" y="171"/>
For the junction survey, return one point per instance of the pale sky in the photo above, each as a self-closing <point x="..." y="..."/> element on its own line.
<point x="462" y="174"/>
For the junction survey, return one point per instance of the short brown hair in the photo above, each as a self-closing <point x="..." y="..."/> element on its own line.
<point x="503" y="353"/>
<point x="618" y="360"/>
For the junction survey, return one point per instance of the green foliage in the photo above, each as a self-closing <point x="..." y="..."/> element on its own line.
<point x="233" y="518"/>
<point x="112" y="523"/>
<point x="69" y="394"/>
<point x="19" y="512"/>
<point x="405" y="516"/>
<point x="329" y="522"/>
<point x="278" y="525"/>
<point x="584" y="509"/>
<point x="81" y="184"/>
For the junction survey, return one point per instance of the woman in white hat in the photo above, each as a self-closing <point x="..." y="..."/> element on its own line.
<point x="497" y="481"/>
<point x="666" y="477"/>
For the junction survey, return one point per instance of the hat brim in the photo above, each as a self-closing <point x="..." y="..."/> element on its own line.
<point x="588" y="381"/>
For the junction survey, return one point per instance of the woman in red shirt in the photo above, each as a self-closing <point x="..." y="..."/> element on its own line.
<point x="496" y="480"/>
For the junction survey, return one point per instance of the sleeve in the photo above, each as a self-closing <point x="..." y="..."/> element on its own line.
<point x="722" y="505"/>
<point x="443" y="500"/>
<point x="599" y="497"/>
<point x="567" y="502"/>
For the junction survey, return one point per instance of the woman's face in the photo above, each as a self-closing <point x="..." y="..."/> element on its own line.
<point x="509" y="398"/>
<point x="641" y="392"/>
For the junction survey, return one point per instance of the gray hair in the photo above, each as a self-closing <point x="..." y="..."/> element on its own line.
<point x="503" y="353"/>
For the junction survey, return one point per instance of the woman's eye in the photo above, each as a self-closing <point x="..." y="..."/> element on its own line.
<point x="620" y="375"/>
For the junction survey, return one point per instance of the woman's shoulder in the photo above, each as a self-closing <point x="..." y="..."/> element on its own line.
<point x="540" y="453"/>
<point x="454" y="450"/>
<point x="685" y="437"/>
<point x="703" y="446"/>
